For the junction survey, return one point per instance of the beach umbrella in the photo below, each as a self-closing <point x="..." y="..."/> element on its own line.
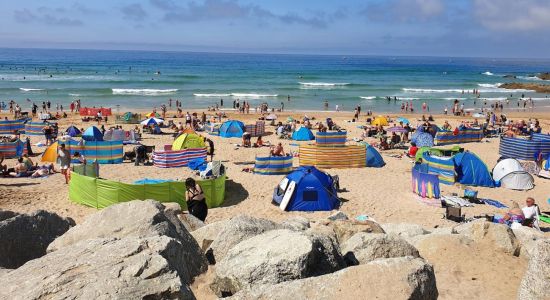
<point x="271" y="117"/>
<point x="404" y="120"/>
<point x="397" y="129"/>
<point x="423" y="139"/>
<point x="289" y="119"/>
<point x="153" y="115"/>
<point x="151" y="121"/>
<point x="50" y="155"/>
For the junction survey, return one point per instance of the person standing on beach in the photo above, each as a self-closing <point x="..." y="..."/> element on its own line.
<point x="64" y="158"/>
<point x="221" y="102"/>
<point x="288" y="98"/>
<point x="337" y="107"/>
<point x="282" y="106"/>
<point x="170" y="102"/>
<point x="326" y="104"/>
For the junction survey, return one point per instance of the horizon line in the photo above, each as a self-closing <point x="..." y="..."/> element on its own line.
<point x="272" y="53"/>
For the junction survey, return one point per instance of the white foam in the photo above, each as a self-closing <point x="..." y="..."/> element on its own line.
<point x="489" y="85"/>
<point x="212" y="95"/>
<point x="454" y="98"/>
<point x="494" y="99"/>
<point x="324" y="84"/>
<point x="368" y="97"/>
<point x="145" y="92"/>
<point x="75" y="95"/>
<point x="414" y="90"/>
<point x="534" y="78"/>
<point x="488" y="73"/>
<point x="31" y="90"/>
<point x="252" y="95"/>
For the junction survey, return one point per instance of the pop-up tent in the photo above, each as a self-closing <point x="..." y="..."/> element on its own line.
<point x="303" y="134"/>
<point x="509" y="173"/>
<point x="188" y="141"/>
<point x="72" y="131"/>
<point x="380" y="121"/>
<point x="374" y="159"/>
<point x="471" y="170"/>
<point x="232" y="128"/>
<point x="92" y="134"/>
<point x="313" y="190"/>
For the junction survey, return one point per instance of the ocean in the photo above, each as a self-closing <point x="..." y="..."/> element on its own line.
<point x="126" y="80"/>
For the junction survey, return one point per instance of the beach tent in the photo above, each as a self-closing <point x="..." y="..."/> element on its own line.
<point x="509" y="173"/>
<point x="151" y="121"/>
<point x="50" y="155"/>
<point x="422" y="139"/>
<point x="303" y="134"/>
<point x="189" y="130"/>
<point x="73" y="131"/>
<point x="314" y="190"/>
<point x="92" y="134"/>
<point x="471" y="170"/>
<point x="374" y="159"/>
<point x="188" y="141"/>
<point x="271" y="117"/>
<point x="153" y="115"/>
<point x="232" y="128"/>
<point x="404" y="120"/>
<point x="380" y="120"/>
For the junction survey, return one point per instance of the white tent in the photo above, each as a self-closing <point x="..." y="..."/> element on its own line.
<point x="505" y="167"/>
<point x="271" y="117"/>
<point x="511" y="175"/>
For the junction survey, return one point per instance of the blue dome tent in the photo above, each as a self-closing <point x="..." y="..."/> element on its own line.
<point x="314" y="190"/>
<point x="374" y="159"/>
<point x="471" y="170"/>
<point x="92" y="134"/>
<point x="72" y="131"/>
<point x="232" y="128"/>
<point x="303" y="134"/>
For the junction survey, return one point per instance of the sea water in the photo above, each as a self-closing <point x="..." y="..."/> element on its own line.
<point x="146" y="79"/>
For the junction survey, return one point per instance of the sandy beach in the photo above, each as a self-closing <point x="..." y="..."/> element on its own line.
<point x="383" y="194"/>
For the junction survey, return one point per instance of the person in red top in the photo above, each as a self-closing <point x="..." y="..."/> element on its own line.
<point x="412" y="150"/>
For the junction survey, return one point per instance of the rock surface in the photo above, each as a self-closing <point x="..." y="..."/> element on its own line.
<point x="537" y="87"/>
<point x="393" y="278"/>
<point x="136" y="220"/>
<point x="296" y="223"/>
<point x="104" y="268"/>
<point x="498" y="235"/>
<point x="364" y="247"/>
<point x="404" y="230"/>
<point x="237" y="230"/>
<point x="338" y="216"/>
<point x="273" y="257"/>
<point x="527" y="238"/>
<point x="24" y="237"/>
<point x="346" y="229"/>
<point x="544" y="76"/>
<point x="536" y="282"/>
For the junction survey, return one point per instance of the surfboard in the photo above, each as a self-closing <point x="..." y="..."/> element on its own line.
<point x="288" y="195"/>
<point x="283" y="184"/>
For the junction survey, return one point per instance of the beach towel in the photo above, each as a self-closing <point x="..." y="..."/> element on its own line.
<point x="456" y="201"/>
<point x="494" y="203"/>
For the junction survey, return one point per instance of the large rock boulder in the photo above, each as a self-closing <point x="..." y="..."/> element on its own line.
<point x="24" y="237"/>
<point x="208" y="233"/>
<point x="364" y="247"/>
<point x="137" y="220"/>
<point x="536" y="282"/>
<point x="393" y="278"/>
<point x="235" y="231"/>
<point x="296" y="223"/>
<point x="345" y="229"/>
<point x="527" y="238"/>
<point x="499" y="236"/>
<point x="404" y="230"/>
<point x="276" y="256"/>
<point x="104" y="268"/>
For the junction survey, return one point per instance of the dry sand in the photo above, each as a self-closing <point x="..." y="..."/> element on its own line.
<point x="381" y="193"/>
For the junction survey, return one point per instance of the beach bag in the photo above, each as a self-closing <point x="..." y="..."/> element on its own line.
<point x="470" y="194"/>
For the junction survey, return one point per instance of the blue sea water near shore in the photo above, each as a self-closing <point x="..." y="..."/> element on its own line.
<point x="139" y="79"/>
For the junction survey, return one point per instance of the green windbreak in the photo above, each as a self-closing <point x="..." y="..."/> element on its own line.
<point x="100" y="193"/>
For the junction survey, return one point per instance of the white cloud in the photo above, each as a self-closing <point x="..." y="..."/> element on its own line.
<point x="513" y="15"/>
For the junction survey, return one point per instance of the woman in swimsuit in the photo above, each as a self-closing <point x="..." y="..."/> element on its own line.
<point x="196" y="203"/>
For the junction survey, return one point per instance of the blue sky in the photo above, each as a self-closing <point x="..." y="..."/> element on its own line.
<point x="487" y="28"/>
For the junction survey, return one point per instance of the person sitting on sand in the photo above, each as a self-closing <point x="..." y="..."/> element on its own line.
<point x="515" y="214"/>
<point x="277" y="150"/>
<point x="394" y="140"/>
<point x="259" y="142"/>
<point x="196" y="202"/>
<point x="383" y="143"/>
<point x="531" y="212"/>
<point x="43" y="171"/>
<point x="20" y="168"/>
<point x="246" y="139"/>
<point x="412" y="150"/>
<point x="29" y="163"/>
<point x="446" y="126"/>
<point x="321" y="127"/>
